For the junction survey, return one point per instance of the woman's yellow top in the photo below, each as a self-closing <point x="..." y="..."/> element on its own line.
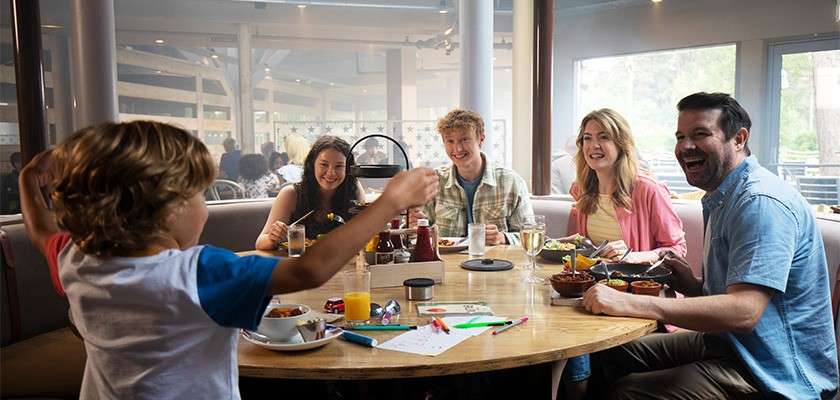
<point x="603" y="225"/>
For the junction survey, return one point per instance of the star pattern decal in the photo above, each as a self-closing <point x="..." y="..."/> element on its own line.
<point x="328" y="129"/>
<point x="294" y="129"/>
<point x="380" y="129"/>
<point x="346" y="129"/>
<point x="311" y="129"/>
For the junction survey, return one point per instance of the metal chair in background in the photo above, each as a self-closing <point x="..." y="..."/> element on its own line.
<point x="223" y="189"/>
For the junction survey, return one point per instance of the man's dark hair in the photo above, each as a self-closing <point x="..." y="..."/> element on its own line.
<point x="732" y="118"/>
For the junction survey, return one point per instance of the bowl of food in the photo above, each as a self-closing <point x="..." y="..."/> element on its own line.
<point x="646" y="287"/>
<point x="556" y="250"/>
<point x="617" y="284"/>
<point x="571" y="285"/>
<point x="279" y="322"/>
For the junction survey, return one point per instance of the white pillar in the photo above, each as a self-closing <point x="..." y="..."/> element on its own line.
<point x="246" y="108"/>
<point x="523" y="90"/>
<point x="401" y="95"/>
<point x="475" y="20"/>
<point x="93" y="48"/>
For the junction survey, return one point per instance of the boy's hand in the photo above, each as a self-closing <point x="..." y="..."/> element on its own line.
<point x="493" y="236"/>
<point x="413" y="215"/>
<point x="411" y="188"/>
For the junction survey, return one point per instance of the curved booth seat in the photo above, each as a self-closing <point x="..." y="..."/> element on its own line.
<point x="40" y="348"/>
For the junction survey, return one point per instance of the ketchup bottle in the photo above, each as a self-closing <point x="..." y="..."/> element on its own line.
<point x="423" y="250"/>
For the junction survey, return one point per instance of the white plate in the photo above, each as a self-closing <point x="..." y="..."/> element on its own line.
<point x="461" y="244"/>
<point x="296" y="343"/>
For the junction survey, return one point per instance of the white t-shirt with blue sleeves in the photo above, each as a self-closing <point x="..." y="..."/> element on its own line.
<point x="164" y="326"/>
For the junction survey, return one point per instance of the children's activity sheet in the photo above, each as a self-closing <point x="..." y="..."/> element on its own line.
<point x="429" y="341"/>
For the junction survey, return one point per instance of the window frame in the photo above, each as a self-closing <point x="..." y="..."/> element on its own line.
<point x="768" y="154"/>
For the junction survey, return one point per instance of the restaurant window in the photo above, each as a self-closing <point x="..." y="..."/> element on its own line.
<point x="804" y="137"/>
<point x="645" y="89"/>
<point x="9" y="136"/>
<point x="315" y="70"/>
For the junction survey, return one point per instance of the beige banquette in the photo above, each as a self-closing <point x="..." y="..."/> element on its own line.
<point x="42" y="357"/>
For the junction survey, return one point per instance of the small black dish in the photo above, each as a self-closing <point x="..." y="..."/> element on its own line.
<point x="583" y="249"/>
<point x="487" y="264"/>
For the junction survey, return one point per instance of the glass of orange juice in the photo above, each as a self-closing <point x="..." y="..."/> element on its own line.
<point x="356" y="297"/>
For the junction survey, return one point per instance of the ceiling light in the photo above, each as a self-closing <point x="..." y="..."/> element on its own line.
<point x="297" y="80"/>
<point x="656" y="1"/>
<point x="301" y="6"/>
<point x="364" y="90"/>
<point x="51" y="26"/>
<point x="159" y="41"/>
<point x="267" y="69"/>
<point x="332" y="84"/>
<point x="159" y="71"/>
<point x="214" y="55"/>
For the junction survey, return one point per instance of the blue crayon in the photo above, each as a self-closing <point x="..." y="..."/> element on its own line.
<point x="360" y="339"/>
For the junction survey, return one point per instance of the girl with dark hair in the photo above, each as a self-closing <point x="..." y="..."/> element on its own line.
<point x="327" y="186"/>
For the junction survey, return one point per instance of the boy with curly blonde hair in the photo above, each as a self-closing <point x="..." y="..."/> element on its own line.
<point x="160" y="315"/>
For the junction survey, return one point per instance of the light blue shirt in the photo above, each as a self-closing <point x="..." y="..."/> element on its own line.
<point x="762" y="232"/>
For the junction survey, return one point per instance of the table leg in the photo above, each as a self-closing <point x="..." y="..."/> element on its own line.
<point x="556" y="373"/>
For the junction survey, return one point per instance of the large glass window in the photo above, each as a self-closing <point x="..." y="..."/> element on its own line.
<point x="805" y="118"/>
<point x="645" y="89"/>
<point x="9" y="138"/>
<point x="315" y="69"/>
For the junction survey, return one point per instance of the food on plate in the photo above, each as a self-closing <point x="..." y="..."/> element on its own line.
<point x="281" y="312"/>
<point x="558" y="245"/>
<point x="583" y="262"/>
<point x="446" y="242"/>
<point x="617" y="274"/>
<point x="617" y="284"/>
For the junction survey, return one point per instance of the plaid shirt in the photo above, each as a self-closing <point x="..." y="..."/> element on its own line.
<point x="501" y="198"/>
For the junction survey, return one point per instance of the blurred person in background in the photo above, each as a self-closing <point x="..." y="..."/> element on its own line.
<point x="229" y="164"/>
<point x="296" y="148"/>
<point x="255" y="177"/>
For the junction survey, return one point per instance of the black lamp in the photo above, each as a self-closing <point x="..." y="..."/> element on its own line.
<point x="378" y="170"/>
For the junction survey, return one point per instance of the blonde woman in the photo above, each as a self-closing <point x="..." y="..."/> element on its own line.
<point x="619" y="203"/>
<point x="297" y="148"/>
<point x="616" y="201"/>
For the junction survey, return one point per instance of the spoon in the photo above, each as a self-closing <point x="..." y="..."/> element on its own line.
<point x="598" y="250"/>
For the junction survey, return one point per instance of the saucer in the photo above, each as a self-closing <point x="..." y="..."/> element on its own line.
<point x="295" y="343"/>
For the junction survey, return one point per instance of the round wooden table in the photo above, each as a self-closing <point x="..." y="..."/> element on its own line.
<point x="551" y="335"/>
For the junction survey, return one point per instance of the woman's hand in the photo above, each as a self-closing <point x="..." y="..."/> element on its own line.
<point x="613" y="250"/>
<point x="278" y="232"/>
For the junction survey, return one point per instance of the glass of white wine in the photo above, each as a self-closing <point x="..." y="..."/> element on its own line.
<point x="532" y="237"/>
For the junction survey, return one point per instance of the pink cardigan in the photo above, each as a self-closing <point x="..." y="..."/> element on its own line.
<point x="651" y="225"/>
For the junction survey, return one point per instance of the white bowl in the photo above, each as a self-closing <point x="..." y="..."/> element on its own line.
<point x="282" y="328"/>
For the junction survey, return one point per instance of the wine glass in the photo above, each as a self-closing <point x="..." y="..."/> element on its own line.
<point x="532" y="237"/>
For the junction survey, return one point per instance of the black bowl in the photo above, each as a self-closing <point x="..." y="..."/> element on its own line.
<point x="557" y="255"/>
<point x="632" y="272"/>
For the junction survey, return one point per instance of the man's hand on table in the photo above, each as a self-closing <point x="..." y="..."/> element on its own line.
<point x="602" y="299"/>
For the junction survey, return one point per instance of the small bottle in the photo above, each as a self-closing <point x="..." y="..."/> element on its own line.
<point x="384" y="250"/>
<point x="396" y="237"/>
<point x="423" y="250"/>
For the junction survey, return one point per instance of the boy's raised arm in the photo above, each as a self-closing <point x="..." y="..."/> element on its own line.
<point x="37" y="217"/>
<point x="320" y="262"/>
